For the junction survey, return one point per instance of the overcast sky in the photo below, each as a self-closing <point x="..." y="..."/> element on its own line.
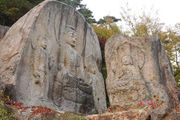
<point x="169" y="10"/>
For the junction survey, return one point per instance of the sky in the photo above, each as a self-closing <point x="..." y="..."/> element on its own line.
<point x="168" y="10"/>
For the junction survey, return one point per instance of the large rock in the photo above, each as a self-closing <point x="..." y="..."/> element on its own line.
<point x="52" y="57"/>
<point x="3" y="30"/>
<point x="137" y="69"/>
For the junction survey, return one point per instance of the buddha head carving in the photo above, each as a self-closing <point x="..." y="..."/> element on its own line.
<point x="127" y="60"/>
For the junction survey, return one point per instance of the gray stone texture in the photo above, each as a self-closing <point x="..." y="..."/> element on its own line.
<point x="52" y="57"/>
<point x="3" y="30"/>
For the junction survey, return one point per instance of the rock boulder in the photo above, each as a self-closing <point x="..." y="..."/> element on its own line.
<point x="137" y="69"/>
<point x="51" y="56"/>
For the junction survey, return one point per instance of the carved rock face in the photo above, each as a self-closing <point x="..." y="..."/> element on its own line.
<point x="54" y="58"/>
<point x="139" y="68"/>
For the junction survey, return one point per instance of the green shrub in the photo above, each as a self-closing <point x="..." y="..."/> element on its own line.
<point x="5" y="113"/>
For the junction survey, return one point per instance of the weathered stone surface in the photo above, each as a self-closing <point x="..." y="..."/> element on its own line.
<point x="3" y="30"/>
<point x="52" y="57"/>
<point x="137" y="69"/>
<point x="133" y="114"/>
<point x="124" y="115"/>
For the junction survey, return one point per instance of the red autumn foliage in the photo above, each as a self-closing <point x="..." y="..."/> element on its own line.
<point x="36" y="110"/>
<point x="102" y="41"/>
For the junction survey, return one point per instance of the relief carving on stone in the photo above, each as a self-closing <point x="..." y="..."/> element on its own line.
<point x="70" y="89"/>
<point x="128" y="83"/>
